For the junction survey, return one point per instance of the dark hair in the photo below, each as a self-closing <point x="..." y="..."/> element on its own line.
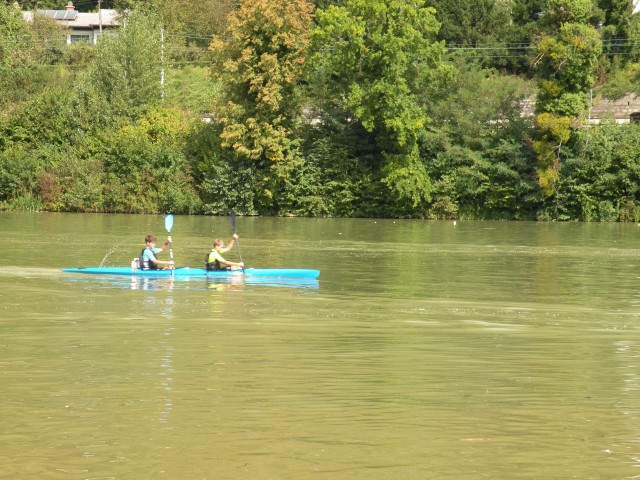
<point x="149" y="238"/>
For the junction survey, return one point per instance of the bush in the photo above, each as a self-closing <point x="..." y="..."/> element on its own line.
<point x="602" y="181"/>
<point x="18" y="172"/>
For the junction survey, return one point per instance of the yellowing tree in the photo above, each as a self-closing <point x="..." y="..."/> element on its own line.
<point x="258" y="61"/>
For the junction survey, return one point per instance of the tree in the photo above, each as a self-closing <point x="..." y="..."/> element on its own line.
<point x="258" y="61"/>
<point x="15" y="39"/>
<point x="620" y="32"/>
<point x="468" y="24"/>
<point x="125" y="73"/>
<point x="194" y="21"/>
<point x="524" y="12"/>
<point x="481" y="168"/>
<point x="42" y="4"/>
<point x="377" y="59"/>
<point x="327" y="3"/>
<point x="566" y="65"/>
<point x="26" y="50"/>
<point x="567" y="57"/>
<point x="471" y="22"/>
<point x="558" y="12"/>
<point x="602" y="182"/>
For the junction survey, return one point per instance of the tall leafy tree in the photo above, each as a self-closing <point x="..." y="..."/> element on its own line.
<point x="258" y="61"/>
<point x="620" y="30"/>
<point x="475" y="28"/>
<point x="524" y="12"/>
<point x="566" y="68"/>
<point x="378" y="58"/>
<point x="525" y="25"/>
<point x="566" y="62"/>
<point x="472" y="22"/>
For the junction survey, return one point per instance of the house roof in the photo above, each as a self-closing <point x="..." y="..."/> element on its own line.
<point x="60" y="14"/>
<point x="75" y="19"/>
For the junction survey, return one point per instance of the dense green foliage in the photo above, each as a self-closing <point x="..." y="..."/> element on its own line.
<point x="26" y="54"/>
<point x="396" y="108"/>
<point x="601" y="181"/>
<point x="379" y="73"/>
<point x="567" y="56"/>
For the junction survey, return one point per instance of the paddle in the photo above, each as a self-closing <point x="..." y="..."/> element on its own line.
<point x="168" y="225"/>
<point x="232" y="219"/>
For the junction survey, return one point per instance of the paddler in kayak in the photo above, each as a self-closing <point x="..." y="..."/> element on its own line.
<point x="148" y="260"/>
<point x="214" y="261"/>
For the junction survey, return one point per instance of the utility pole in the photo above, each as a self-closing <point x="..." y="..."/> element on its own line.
<point x="162" y="63"/>
<point x="100" y="15"/>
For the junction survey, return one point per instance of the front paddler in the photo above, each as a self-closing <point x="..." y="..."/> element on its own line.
<point x="148" y="260"/>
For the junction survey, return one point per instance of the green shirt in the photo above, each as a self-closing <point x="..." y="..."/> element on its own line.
<point x="214" y="255"/>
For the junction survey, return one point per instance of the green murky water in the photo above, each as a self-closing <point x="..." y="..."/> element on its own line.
<point x="426" y="350"/>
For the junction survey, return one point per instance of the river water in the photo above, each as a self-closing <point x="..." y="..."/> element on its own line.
<point x="426" y="350"/>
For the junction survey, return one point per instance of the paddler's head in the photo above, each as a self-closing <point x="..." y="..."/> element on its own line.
<point x="218" y="244"/>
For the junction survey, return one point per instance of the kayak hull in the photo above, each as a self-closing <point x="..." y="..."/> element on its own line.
<point x="199" y="272"/>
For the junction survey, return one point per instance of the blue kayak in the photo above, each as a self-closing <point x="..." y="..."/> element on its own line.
<point x="199" y="272"/>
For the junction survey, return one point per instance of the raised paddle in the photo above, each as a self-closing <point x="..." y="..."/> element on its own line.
<point x="232" y="219"/>
<point x="168" y="225"/>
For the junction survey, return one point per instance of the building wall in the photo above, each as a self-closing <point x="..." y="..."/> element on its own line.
<point x="621" y="110"/>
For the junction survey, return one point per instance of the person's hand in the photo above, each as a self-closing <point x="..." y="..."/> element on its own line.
<point x="235" y="236"/>
<point x="169" y="239"/>
<point x="241" y="264"/>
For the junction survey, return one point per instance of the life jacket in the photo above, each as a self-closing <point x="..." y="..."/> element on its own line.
<point x="145" y="262"/>
<point x="212" y="266"/>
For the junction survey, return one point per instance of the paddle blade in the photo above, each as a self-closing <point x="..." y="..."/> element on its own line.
<point x="168" y="223"/>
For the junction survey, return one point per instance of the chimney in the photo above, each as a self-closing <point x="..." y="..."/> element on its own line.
<point x="70" y="7"/>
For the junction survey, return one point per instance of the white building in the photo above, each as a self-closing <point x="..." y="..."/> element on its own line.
<point x="81" y="27"/>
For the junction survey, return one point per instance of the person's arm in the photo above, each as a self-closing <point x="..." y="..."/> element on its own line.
<point x="231" y="243"/>
<point x="232" y="264"/>
<point x="165" y="244"/>
<point x="227" y="263"/>
<point x="160" y="250"/>
<point x="162" y="262"/>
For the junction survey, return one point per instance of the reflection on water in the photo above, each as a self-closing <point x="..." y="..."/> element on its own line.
<point x="427" y="350"/>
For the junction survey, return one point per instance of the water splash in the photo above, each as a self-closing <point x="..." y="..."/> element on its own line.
<point x="113" y="249"/>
